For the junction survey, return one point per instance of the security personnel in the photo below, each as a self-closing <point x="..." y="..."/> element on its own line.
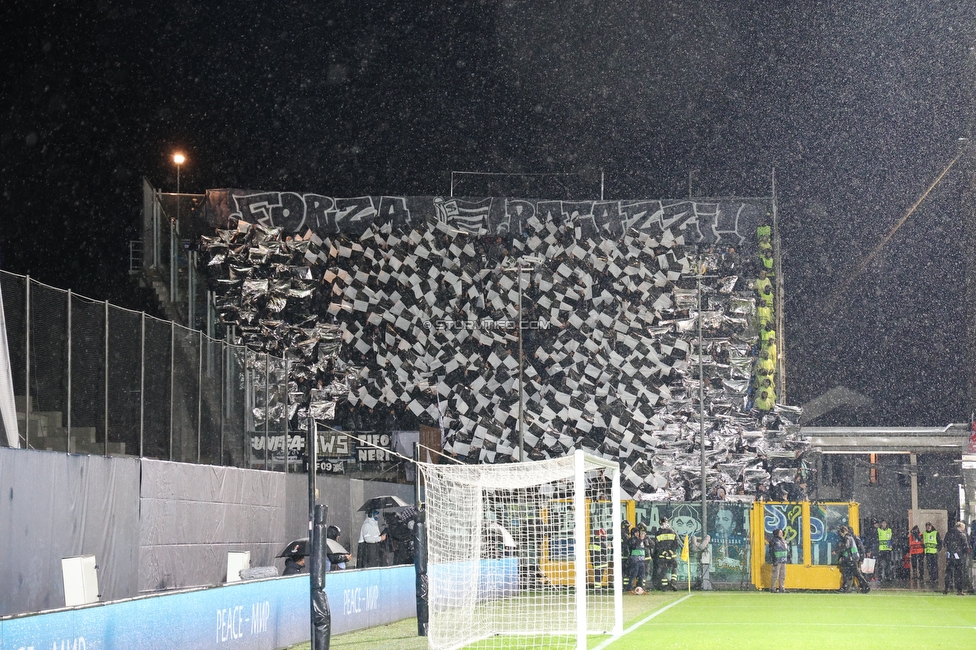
<point x="916" y="549"/>
<point x="766" y="400"/>
<point x="884" y="568"/>
<point x="932" y="543"/>
<point x="666" y="557"/>
<point x="599" y="556"/>
<point x="764" y="286"/>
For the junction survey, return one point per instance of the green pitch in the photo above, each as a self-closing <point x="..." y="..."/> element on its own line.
<point x="806" y="620"/>
<point x="733" y="620"/>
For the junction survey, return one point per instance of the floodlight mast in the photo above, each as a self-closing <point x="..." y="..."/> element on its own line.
<point x="525" y="263"/>
<point x="700" y="268"/>
<point x="700" y="272"/>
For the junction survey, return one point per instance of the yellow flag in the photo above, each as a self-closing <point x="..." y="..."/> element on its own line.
<point x="684" y="550"/>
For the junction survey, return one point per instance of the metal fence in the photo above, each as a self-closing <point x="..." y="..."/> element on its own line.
<point x="90" y="377"/>
<point x="171" y="227"/>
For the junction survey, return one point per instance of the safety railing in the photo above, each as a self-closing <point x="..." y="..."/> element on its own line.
<point x="91" y="377"/>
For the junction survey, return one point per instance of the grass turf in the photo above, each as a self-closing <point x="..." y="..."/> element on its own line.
<point x="732" y="620"/>
<point x="810" y="620"/>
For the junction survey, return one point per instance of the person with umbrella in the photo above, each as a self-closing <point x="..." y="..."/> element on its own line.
<point x="369" y="551"/>
<point x="336" y="556"/>
<point x="370" y="542"/>
<point x="294" y="555"/>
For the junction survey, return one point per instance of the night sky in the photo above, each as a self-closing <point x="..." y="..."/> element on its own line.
<point x="858" y="109"/>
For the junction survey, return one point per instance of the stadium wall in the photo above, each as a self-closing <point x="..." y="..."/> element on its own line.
<point x="259" y="615"/>
<point x="152" y="525"/>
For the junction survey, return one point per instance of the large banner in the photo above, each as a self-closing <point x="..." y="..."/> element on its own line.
<point x="730" y="222"/>
<point x="336" y="449"/>
<point x="728" y="527"/>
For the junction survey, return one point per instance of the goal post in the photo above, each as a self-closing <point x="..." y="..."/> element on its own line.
<point x="523" y="555"/>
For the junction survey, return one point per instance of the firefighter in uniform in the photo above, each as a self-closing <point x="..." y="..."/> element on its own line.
<point x="884" y="569"/>
<point x="625" y="552"/>
<point x="599" y="557"/>
<point x="666" y="557"/>
<point x="932" y="544"/>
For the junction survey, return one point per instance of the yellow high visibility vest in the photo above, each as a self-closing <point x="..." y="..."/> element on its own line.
<point x="884" y="539"/>
<point x="931" y="541"/>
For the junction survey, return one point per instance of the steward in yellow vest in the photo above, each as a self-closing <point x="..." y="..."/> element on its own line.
<point x="932" y="543"/>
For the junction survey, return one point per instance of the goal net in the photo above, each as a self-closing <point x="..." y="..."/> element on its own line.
<point x="523" y="555"/>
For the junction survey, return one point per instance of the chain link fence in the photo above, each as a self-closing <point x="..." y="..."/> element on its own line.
<point x="90" y="377"/>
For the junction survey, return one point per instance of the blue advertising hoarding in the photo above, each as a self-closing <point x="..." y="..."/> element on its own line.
<point x="259" y="615"/>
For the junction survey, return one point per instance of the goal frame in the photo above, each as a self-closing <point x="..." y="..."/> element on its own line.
<point x="570" y="470"/>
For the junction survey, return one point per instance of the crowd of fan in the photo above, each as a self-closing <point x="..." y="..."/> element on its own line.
<point x="420" y="326"/>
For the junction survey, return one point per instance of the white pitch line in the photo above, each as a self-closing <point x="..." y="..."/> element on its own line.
<point x="641" y="622"/>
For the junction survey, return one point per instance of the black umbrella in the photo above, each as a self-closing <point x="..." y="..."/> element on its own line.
<point x="386" y="501"/>
<point x="297" y="547"/>
<point x="300" y="547"/>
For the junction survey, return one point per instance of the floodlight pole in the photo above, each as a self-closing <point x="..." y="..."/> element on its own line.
<point x="520" y="268"/>
<point x="700" y="270"/>
<point x="179" y="159"/>
<point x="521" y="360"/>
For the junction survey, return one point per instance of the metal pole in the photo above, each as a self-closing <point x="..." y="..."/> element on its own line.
<point x="172" y="261"/>
<point x="312" y="451"/>
<point x="27" y="354"/>
<point x="172" y="381"/>
<point x="106" y="377"/>
<point x="601" y="184"/>
<point x="248" y="399"/>
<point x="199" y="395"/>
<point x="311" y="502"/>
<point x="175" y="259"/>
<point x="283" y="426"/>
<point x="223" y="400"/>
<point x="521" y="376"/>
<point x="779" y="316"/>
<point x="67" y="442"/>
<point x="142" y="388"/>
<point x="701" y="407"/>
<point x="422" y="581"/>
<point x="267" y="411"/>
<point x="191" y="284"/>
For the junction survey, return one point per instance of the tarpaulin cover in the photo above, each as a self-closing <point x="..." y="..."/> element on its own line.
<point x="194" y="514"/>
<point x="58" y="505"/>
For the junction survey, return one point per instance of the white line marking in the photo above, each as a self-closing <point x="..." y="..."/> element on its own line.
<point x="639" y="623"/>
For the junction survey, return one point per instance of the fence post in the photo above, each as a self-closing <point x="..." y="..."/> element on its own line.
<point x="221" y="404"/>
<point x="199" y="394"/>
<point x="67" y="442"/>
<point x="105" y="451"/>
<point x="248" y="400"/>
<point x="284" y="417"/>
<point x="172" y="381"/>
<point x="267" y="410"/>
<point x="142" y="387"/>
<point x="27" y="338"/>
